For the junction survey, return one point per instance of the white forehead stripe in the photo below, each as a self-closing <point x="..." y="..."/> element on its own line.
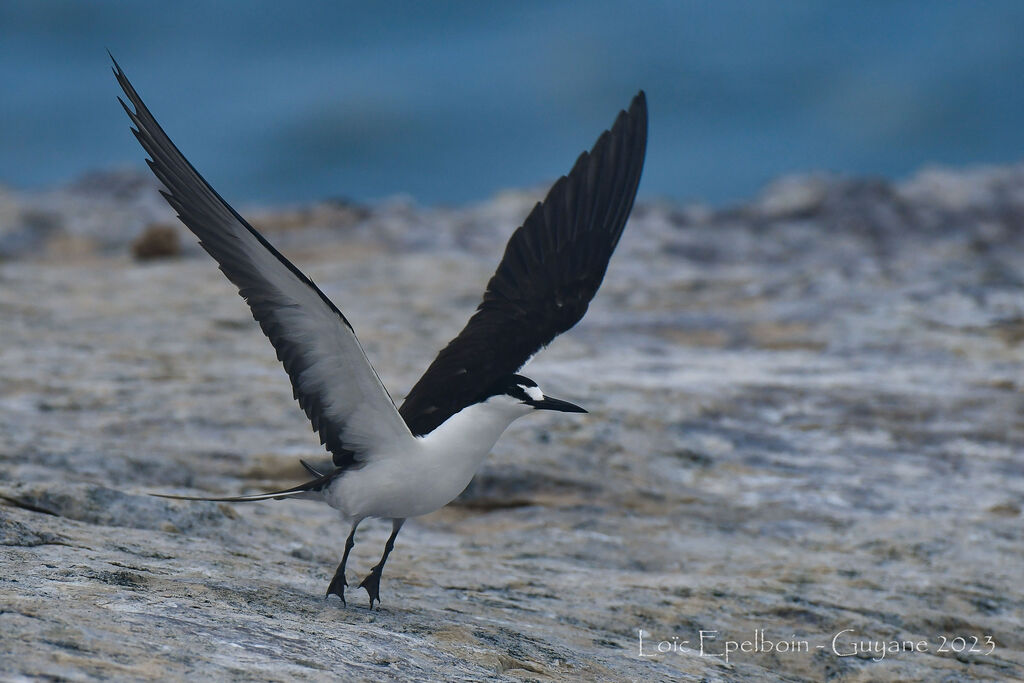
<point x="534" y="393"/>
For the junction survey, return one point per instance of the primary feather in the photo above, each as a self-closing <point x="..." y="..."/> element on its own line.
<point x="331" y="377"/>
<point x="552" y="267"/>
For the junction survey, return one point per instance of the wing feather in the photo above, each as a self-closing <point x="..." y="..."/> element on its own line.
<point x="331" y="377"/>
<point x="552" y="267"/>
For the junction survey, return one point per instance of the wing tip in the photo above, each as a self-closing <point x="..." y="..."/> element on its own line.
<point x="639" y="100"/>
<point x="122" y="80"/>
<point x="637" y="114"/>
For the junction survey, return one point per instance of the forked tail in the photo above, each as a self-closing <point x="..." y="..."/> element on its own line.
<point x="312" y="486"/>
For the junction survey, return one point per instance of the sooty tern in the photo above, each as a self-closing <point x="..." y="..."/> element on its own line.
<point x="395" y="463"/>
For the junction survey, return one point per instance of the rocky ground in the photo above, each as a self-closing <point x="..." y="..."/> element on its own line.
<point x="806" y="432"/>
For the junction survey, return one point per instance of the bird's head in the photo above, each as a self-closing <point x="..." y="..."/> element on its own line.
<point x="522" y="394"/>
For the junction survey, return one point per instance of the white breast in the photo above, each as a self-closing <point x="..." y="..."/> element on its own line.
<point x="437" y="469"/>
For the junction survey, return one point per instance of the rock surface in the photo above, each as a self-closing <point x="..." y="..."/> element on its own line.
<point x="807" y="423"/>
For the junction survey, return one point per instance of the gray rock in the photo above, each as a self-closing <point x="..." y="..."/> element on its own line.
<point x="107" y="507"/>
<point x="805" y="419"/>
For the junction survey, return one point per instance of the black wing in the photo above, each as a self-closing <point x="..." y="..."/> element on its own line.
<point x="552" y="267"/>
<point x="330" y="375"/>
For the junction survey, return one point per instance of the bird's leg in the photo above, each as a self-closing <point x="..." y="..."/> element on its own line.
<point x="372" y="582"/>
<point x="338" y="583"/>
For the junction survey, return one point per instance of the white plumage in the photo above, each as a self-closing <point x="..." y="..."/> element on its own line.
<point x="429" y="472"/>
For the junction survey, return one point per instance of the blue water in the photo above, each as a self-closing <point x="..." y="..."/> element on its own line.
<point x="449" y="102"/>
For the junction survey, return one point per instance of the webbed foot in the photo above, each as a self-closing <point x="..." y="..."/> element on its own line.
<point x="372" y="585"/>
<point x="337" y="586"/>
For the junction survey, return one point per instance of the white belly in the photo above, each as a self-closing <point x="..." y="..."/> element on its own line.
<point x="395" y="488"/>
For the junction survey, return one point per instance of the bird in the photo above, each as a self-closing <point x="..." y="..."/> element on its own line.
<point x="392" y="462"/>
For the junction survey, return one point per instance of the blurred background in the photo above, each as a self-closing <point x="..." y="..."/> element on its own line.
<point x="448" y="103"/>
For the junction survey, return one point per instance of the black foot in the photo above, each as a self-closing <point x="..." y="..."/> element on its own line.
<point x="337" y="587"/>
<point x="372" y="585"/>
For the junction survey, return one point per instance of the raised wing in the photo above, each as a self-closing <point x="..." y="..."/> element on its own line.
<point x="331" y="376"/>
<point x="552" y="267"/>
